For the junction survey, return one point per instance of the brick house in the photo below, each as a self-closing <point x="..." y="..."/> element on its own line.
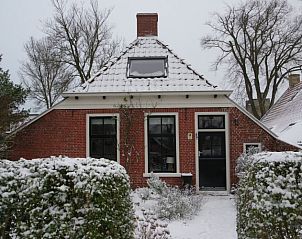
<point x="151" y="112"/>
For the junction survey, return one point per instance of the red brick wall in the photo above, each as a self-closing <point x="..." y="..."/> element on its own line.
<point x="146" y="24"/>
<point x="63" y="132"/>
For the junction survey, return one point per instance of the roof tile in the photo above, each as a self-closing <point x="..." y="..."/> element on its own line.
<point x="112" y="77"/>
<point x="285" y="117"/>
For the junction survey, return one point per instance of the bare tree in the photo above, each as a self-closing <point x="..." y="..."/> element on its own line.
<point x="260" y="41"/>
<point x="43" y="73"/>
<point x="83" y="36"/>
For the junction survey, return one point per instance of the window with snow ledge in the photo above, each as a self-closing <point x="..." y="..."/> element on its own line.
<point x="162" y="144"/>
<point x="147" y="67"/>
<point x="103" y="137"/>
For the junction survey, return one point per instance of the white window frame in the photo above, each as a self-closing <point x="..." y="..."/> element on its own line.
<point x="227" y="145"/>
<point x="147" y="174"/>
<point x="88" y="116"/>
<point x="256" y="145"/>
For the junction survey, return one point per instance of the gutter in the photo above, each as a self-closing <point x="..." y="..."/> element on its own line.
<point x="139" y="93"/>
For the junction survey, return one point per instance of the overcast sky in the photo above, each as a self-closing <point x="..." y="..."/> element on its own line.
<point x="181" y="25"/>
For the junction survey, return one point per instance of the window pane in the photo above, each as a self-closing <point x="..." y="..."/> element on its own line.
<point x="252" y="148"/>
<point x="218" y="146"/>
<point x="96" y="148"/>
<point x="110" y="148"/>
<point x="154" y="125"/>
<point x="204" y="122"/>
<point x="168" y="146"/>
<point x="103" y="137"/>
<point x="155" y="159"/>
<point x="206" y="146"/>
<point x="109" y="126"/>
<point x="162" y="144"/>
<point x="218" y="122"/>
<point x="147" y="67"/>
<point x="170" y="164"/>
<point x="168" y="125"/>
<point x="96" y="126"/>
<point x="211" y="122"/>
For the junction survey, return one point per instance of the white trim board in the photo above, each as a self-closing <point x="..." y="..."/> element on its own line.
<point x="145" y="101"/>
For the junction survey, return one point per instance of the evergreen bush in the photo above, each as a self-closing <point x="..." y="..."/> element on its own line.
<point x="270" y="196"/>
<point x="65" y="198"/>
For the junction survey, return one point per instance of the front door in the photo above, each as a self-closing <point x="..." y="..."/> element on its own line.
<point x="212" y="153"/>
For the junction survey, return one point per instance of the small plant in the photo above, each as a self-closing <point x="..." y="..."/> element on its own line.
<point x="172" y="202"/>
<point x="245" y="160"/>
<point x="145" y="193"/>
<point x="178" y="204"/>
<point x="157" y="185"/>
<point x="149" y="227"/>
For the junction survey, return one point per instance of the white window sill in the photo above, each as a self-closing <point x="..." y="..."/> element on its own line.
<point x="166" y="175"/>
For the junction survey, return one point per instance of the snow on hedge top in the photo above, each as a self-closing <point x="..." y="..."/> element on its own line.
<point x="277" y="157"/>
<point x="112" y="78"/>
<point x="62" y="197"/>
<point x="98" y="168"/>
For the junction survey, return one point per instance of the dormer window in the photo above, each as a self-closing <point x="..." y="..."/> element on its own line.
<point x="146" y="67"/>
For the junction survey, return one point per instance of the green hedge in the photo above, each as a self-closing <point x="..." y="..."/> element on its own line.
<point x="270" y="196"/>
<point x="65" y="198"/>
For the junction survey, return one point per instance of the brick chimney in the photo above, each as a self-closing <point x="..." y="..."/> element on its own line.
<point x="146" y="24"/>
<point x="293" y="80"/>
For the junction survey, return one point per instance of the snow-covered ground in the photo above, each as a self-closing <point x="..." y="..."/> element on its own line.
<point x="216" y="220"/>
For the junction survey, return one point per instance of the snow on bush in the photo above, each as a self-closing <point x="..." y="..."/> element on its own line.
<point x="173" y="203"/>
<point x="149" y="227"/>
<point x="270" y="196"/>
<point x="245" y="160"/>
<point x="65" y="198"/>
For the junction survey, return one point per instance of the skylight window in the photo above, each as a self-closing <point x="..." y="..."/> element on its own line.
<point x="147" y="67"/>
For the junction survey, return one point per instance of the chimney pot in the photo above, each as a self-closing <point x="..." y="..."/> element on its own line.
<point x="293" y="80"/>
<point x="146" y="24"/>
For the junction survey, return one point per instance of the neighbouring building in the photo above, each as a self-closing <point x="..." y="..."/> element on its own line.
<point x="153" y="113"/>
<point x="285" y="117"/>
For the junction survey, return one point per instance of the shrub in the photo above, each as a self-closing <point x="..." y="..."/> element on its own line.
<point x="178" y="204"/>
<point x="245" y="160"/>
<point x="149" y="227"/>
<point x="157" y="186"/>
<point x="173" y="203"/>
<point x="144" y="193"/>
<point x="65" y="198"/>
<point x="270" y="197"/>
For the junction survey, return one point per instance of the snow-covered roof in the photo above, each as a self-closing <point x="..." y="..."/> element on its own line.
<point x="285" y="117"/>
<point x="113" y="77"/>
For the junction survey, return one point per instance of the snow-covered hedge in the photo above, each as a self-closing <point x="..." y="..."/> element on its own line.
<point x="65" y="198"/>
<point x="270" y="196"/>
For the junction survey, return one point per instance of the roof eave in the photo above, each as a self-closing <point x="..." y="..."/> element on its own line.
<point x="214" y="92"/>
